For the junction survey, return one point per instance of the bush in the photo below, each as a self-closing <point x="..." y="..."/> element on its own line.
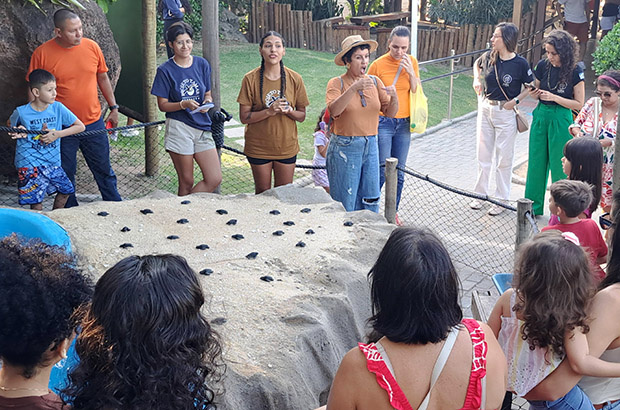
<point x="473" y="11"/>
<point x="607" y="54"/>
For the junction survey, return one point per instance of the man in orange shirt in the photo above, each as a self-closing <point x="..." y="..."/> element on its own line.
<point x="79" y="67"/>
<point x="397" y="68"/>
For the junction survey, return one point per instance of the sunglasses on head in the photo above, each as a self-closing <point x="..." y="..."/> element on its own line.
<point x="605" y="94"/>
<point x="605" y="222"/>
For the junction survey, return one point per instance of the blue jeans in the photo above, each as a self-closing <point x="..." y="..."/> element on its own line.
<point x="353" y="172"/>
<point x="611" y="406"/>
<point x="96" y="151"/>
<point x="575" y="399"/>
<point x="394" y="141"/>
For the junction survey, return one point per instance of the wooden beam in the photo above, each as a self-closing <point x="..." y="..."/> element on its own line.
<point x="149" y="68"/>
<point x="517" y="5"/>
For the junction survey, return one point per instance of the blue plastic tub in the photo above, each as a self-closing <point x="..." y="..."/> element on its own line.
<point x="502" y="281"/>
<point x="33" y="225"/>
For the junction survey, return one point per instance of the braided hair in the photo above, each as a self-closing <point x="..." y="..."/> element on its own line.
<point x="262" y="65"/>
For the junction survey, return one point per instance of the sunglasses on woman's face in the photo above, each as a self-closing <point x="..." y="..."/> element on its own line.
<point x="605" y="222"/>
<point x="605" y="94"/>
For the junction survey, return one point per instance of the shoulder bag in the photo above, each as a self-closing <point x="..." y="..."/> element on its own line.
<point x="522" y="124"/>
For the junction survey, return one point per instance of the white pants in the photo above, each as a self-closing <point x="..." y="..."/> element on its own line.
<point x="496" y="131"/>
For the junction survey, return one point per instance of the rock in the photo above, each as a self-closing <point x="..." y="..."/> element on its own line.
<point x="229" y="27"/>
<point x="24" y="28"/>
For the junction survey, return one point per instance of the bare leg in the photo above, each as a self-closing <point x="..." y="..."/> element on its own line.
<point x="37" y="207"/>
<point x="262" y="176"/>
<point x="60" y="201"/>
<point x="209" y="164"/>
<point x="184" y="165"/>
<point x="283" y="173"/>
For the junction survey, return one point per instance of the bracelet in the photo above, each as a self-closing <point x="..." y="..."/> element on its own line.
<point x="181" y="104"/>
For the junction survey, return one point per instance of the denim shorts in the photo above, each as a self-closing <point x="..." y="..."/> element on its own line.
<point x="575" y="399"/>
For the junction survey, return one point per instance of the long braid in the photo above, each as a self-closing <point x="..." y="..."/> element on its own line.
<point x="262" y="71"/>
<point x="282" y="79"/>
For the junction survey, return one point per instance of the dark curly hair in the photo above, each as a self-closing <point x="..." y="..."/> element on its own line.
<point x="40" y="290"/>
<point x="566" y="46"/>
<point x="414" y="289"/>
<point x="144" y="342"/>
<point x="554" y="287"/>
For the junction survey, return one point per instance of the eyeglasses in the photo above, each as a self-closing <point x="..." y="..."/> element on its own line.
<point x="361" y="93"/>
<point x="605" y="222"/>
<point x="605" y="94"/>
<point x="180" y="43"/>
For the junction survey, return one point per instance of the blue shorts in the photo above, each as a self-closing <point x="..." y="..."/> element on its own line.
<point x="36" y="182"/>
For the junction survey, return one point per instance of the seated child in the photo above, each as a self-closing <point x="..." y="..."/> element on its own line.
<point x="37" y="157"/>
<point x="41" y="292"/>
<point x="568" y="199"/>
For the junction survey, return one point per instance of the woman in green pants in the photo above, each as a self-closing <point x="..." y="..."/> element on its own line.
<point x="559" y="87"/>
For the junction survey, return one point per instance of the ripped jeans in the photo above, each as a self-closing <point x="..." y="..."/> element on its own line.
<point x="353" y="172"/>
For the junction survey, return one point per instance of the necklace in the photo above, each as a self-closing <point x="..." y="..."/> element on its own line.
<point x="22" y="388"/>
<point x="191" y="60"/>
<point x="548" y="82"/>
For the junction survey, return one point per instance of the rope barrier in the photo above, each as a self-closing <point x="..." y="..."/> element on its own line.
<point x="532" y="222"/>
<point x="84" y="133"/>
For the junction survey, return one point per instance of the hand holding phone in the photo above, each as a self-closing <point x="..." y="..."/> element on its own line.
<point x="530" y="86"/>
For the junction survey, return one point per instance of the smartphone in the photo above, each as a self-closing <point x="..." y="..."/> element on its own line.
<point x="530" y="86"/>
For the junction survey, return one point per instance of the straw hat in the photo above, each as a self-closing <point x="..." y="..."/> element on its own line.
<point x="350" y="42"/>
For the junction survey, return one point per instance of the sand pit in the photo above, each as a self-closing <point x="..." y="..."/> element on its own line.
<point x="284" y="338"/>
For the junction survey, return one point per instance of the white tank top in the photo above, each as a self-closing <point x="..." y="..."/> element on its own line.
<point x="601" y="389"/>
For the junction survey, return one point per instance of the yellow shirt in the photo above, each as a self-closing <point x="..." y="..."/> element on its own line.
<point x="385" y="67"/>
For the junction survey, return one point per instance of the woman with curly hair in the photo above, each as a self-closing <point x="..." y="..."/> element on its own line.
<point x="144" y="342"/>
<point x="41" y="290"/>
<point x="543" y="318"/>
<point x="559" y="87"/>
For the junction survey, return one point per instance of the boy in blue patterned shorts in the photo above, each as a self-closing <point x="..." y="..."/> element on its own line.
<point x="37" y="157"/>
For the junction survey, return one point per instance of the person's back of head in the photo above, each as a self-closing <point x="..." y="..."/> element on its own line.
<point x="41" y="290"/>
<point x="415" y="288"/>
<point x="585" y="156"/>
<point x="144" y="342"/>
<point x="573" y="197"/>
<point x="554" y="287"/>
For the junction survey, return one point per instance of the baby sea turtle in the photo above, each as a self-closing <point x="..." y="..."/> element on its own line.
<point x="309" y="232"/>
<point x="306" y="211"/>
<point x="219" y="321"/>
<point x="278" y="233"/>
<point x="146" y="211"/>
<point x="274" y="212"/>
<point x="251" y="255"/>
<point x="237" y="237"/>
<point x="125" y="229"/>
<point x="206" y="272"/>
<point x="103" y="213"/>
<point x="348" y="223"/>
<point x="126" y="245"/>
<point x="182" y="221"/>
<point x="300" y="244"/>
<point x="186" y="202"/>
<point x="222" y="212"/>
<point x="266" y="278"/>
<point x="289" y="223"/>
<point x="172" y="237"/>
<point x="202" y="246"/>
<point x="232" y="222"/>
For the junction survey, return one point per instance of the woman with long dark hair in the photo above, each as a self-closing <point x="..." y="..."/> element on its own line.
<point x="499" y="76"/>
<point x="416" y="312"/>
<point x="145" y="343"/>
<point x="559" y="87"/>
<point x="272" y="100"/>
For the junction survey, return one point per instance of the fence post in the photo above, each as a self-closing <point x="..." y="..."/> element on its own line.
<point x="451" y="84"/>
<point x="391" y="181"/>
<point x="524" y="229"/>
<point x="149" y="47"/>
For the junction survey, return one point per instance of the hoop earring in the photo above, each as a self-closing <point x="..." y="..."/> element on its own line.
<point x="348" y="65"/>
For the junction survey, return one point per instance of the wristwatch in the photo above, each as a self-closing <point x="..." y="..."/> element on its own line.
<point x="115" y="107"/>
<point x="516" y="100"/>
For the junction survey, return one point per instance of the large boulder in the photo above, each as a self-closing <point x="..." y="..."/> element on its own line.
<point x="24" y="29"/>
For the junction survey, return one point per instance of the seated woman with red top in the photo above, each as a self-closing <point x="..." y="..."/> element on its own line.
<point x="426" y="342"/>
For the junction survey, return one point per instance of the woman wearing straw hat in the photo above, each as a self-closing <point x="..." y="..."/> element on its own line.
<point x="354" y="101"/>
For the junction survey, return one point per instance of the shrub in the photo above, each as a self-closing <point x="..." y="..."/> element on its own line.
<point x="473" y="11"/>
<point x="607" y="54"/>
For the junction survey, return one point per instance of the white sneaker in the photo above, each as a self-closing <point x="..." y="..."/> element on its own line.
<point x="495" y="210"/>
<point x="475" y="204"/>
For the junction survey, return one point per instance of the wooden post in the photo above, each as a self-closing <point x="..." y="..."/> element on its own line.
<point x="149" y="68"/>
<point x="517" y="5"/>
<point x="391" y="183"/>
<point x="524" y="229"/>
<point x="540" y="22"/>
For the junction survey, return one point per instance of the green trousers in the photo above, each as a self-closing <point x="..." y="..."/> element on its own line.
<point x="548" y="134"/>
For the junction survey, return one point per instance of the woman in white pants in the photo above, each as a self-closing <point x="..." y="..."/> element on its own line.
<point x="499" y="76"/>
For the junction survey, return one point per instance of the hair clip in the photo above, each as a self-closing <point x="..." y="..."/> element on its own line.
<point x="571" y="237"/>
<point x="322" y="126"/>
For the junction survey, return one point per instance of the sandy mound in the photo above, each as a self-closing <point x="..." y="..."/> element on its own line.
<point x="283" y="339"/>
